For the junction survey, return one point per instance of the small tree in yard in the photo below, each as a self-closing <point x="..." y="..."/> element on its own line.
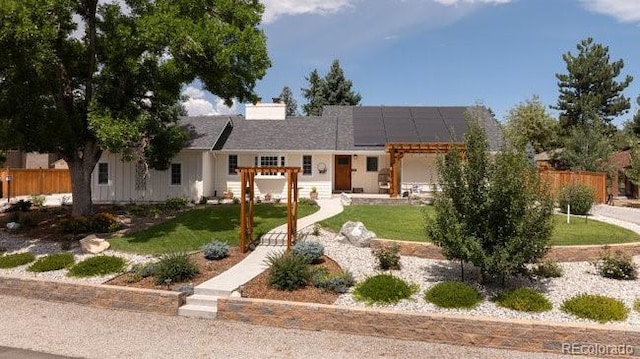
<point x="493" y="211"/>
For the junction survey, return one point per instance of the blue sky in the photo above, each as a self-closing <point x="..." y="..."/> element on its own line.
<point x="439" y="52"/>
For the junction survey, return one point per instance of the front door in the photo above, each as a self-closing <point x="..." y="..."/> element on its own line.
<point x="343" y="173"/>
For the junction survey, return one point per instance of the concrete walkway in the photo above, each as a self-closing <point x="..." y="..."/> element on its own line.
<point x="204" y="300"/>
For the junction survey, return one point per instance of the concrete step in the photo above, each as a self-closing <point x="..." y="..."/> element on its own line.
<point x="211" y="291"/>
<point x="203" y="300"/>
<point x="198" y="311"/>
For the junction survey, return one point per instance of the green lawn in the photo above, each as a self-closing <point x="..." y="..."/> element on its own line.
<point x="407" y="223"/>
<point x="190" y="230"/>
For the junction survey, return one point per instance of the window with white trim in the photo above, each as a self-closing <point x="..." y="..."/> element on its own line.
<point x="372" y="164"/>
<point x="233" y="164"/>
<point x="269" y="161"/>
<point x="103" y="173"/>
<point x="176" y="174"/>
<point x="307" y="165"/>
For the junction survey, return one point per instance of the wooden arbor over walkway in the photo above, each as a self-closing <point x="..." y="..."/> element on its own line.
<point x="247" y="194"/>
<point x="397" y="150"/>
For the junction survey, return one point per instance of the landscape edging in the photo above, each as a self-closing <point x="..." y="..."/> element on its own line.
<point x="513" y="334"/>
<point x="95" y="295"/>
<point x="587" y="253"/>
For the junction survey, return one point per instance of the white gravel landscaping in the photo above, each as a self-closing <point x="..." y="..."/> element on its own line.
<point x="579" y="277"/>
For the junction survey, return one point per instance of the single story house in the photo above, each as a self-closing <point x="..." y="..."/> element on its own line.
<point x="621" y="186"/>
<point x="362" y="149"/>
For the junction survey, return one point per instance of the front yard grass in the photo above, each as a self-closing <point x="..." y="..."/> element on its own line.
<point x="190" y="230"/>
<point x="406" y="223"/>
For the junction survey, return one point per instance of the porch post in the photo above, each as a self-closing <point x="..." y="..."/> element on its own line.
<point x="243" y="215"/>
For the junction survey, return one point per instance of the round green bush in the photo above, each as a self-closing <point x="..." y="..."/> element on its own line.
<point x="383" y="289"/>
<point x="174" y="268"/>
<point x="310" y="249"/>
<point x="52" y="262"/>
<point x="337" y="283"/>
<point x="579" y="196"/>
<point x="288" y="271"/>
<point x="617" y="266"/>
<point x="596" y="307"/>
<point x="215" y="250"/>
<point x="523" y="300"/>
<point x="104" y="223"/>
<point x="636" y="305"/>
<point x="97" y="266"/>
<point x="453" y="294"/>
<point x="16" y="259"/>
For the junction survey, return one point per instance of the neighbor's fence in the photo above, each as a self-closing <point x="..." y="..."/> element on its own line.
<point x="34" y="181"/>
<point x="596" y="180"/>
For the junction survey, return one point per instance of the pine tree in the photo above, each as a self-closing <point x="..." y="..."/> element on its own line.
<point x="333" y="89"/>
<point x="314" y="94"/>
<point x="589" y="92"/>
<point x="287" y="97"/>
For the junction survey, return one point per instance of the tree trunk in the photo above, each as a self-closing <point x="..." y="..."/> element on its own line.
<point x="81" y="166"/>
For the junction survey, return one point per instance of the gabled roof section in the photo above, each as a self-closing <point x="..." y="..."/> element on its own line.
<point x="206" y="132"/>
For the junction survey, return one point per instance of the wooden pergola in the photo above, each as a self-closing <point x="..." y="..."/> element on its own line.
<point x="397" y="150"/>
<point x="247" y="179"/>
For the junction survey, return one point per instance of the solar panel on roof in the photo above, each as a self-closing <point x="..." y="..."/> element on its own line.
<point x="368" y="127"/>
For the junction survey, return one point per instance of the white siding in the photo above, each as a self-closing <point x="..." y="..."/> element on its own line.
<point x="419" y="169"/>
<point x="121" y="186"/>
<point x="368" y="181"/>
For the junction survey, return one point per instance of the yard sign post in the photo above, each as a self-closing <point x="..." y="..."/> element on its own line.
<point x="247" y="195"/>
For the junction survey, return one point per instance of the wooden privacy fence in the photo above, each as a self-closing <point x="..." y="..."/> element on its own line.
<point x="596" y="180"/>
<point x="34" y="181"/>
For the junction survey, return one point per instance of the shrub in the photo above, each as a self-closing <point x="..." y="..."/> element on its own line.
<point x="29" y="219"/>
<point x="145" y="270"/>
<point x="52" y="262"/>
<point x="215" y="250"/>
<point x="97" y="266"/>
<point x="578" y="195"/>
<point x="144" y="211"/>
<point x="547" y="269"/>
<point x="523" y="300"/>
<point x="636" y="305"/>
<point x="104" y="222"/>
<point x="175" y="267"/>
<point x="307" y="202"/>
<point x="75" y="225"/>
<point x="309" y="249"/>
<point x="316" y="230"/>
<point x="453" y="294"/>
<point x="38" y="200"/>
<point x="616" y="266"/>
<point x="595" y="307"/>
<point x="337" y="283"/>
<point x="20" y="206"/>
<point x="288" y="271"/>
<point x="388" y="257"/>
<point x="176" y="203"/>
<point x="16" y="259"/>
<point x="384" y="289"/>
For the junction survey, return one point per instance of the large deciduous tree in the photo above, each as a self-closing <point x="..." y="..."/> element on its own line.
<point x="81" y="76"/>
<point x="333" y="89"/>
<point x="287" y="97"/>
<point x="493" y="211"/>
<point x="529" y="122"/>
<point x="589" y="92"/>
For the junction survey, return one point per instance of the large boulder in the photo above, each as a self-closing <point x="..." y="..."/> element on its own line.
<point x="357" y="234"/>
<point x="93" y="244"/>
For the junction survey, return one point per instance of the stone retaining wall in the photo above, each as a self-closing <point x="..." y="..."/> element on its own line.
<point x="556" y="253"/>
<point x="525" y="335"/>
<point x="102" y="296"/>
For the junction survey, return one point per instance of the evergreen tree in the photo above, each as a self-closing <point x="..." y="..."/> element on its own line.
<point x="492" y="212"/>
<point x="333" y="89"/>
<point x="586" y="149"/>
<point x="292" y="105"/>
<point x="529" y="122"/>
<point x="589" y="92"/>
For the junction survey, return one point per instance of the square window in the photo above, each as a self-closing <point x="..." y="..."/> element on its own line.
<point x="307" y="165"/>
<point x="372" y="164"/>
<point x="176" y="174"/>
<point x="233" y="164"/>
<point x="103" y="173"/>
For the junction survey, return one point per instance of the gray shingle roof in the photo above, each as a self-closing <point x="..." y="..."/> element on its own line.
<point x="340" y="128"/>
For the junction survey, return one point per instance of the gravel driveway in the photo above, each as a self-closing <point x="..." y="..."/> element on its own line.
<point x="68" y="329"/>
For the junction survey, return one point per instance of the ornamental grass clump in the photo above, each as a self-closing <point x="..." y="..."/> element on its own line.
<point x="523" y="300"/>
<point x="288" y="271"/>
<point x="384" y="289"/>
<point x="215" y="250"/>
<point x="174" y="268"/>
<point x="16" y="259"/>
<point x="312" y="250"/>
<point x="616" y="266"/>
<point x="52" y="262"/>
<point x="596" y="307"/>
<point x="453" y="294"/>
<point x="97" y="266"/>
<point x="636" y="305"/>
<point x="337" y="282"/>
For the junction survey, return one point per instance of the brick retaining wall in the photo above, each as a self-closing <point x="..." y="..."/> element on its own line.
<point x="102" y="296"/>
<point x="556" y="253"/>
<point x="525" y="335"/>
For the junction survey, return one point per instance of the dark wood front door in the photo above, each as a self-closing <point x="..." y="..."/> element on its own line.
<point x="343" y="173"/>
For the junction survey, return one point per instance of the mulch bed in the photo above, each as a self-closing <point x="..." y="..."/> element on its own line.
<point x="259" y="288"/>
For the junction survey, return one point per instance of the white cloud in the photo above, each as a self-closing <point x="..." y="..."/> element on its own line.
<point x="623" y="10"/>
<point x="456" y="2"/>
<point x="193" y="92"/>
<point x="199" y="105"/>
<point x="275" y="9"/>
